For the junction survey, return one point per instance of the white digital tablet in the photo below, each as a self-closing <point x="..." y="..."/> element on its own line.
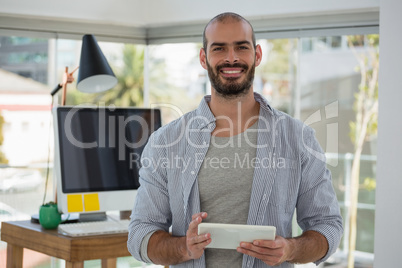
<point x="229" y="236"/>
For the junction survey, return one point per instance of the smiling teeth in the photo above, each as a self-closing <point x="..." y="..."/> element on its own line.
<point x="231" y="72"/>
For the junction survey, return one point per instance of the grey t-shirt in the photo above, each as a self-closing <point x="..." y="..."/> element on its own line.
<point x="225" y="180"/>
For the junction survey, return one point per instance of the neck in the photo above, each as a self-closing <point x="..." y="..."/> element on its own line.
<point x="233" y="115"/>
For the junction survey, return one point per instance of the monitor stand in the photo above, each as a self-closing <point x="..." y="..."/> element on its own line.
<point x="86" y="217"/>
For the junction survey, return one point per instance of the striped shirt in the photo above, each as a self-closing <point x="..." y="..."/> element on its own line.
<point x="289" y="173"/>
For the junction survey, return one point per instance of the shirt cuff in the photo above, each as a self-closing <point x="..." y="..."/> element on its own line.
<point x="144" y="247"/>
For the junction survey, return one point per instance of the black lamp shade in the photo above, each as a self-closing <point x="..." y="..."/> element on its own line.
<point x="95" y="74"/>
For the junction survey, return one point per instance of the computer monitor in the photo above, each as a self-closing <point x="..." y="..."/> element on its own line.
<point x="97" y="156"/>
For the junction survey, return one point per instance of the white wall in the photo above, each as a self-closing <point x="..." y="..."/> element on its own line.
<point x="162" y="12"/>
<point x="388" y="235"/>
<point x="183" y="10"/>
<point x="123" y="12"/>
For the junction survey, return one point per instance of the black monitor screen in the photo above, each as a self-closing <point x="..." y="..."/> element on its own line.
<point x="100" y="148"/>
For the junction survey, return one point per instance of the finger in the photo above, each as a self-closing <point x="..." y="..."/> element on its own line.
<point x="267" y="257"/>
<point x="203" y="215"/>
<point x="272" y="244"/>
<point x="196" y="215"/>
<point x="196" y="250"/>
<point x="203" y="244"/>
<point x="199" y="239"/>
<point x="196" y="220"/>
<point x="193" y="227"/>
<point x="260" y="249"/>
<point x="279" y="242"/>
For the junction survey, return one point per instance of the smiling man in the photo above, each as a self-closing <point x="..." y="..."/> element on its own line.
<point x="233" y="55"/>
<point x="247" y="163"/>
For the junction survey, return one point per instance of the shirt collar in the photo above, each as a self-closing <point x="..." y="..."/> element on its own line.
<point x="206" y="118"/>
<point x="263" y="103"/>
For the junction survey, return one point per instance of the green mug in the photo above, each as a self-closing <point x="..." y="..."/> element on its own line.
<point x="49" y="216"/>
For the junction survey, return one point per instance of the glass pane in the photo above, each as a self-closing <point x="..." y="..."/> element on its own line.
<point x="338" y="81"/>
<point x="29" y="70"/>
<point x="275" y="78"/>
<point x="177" y="80"/>
<point x="25" y="133"/>
<point x="26" y="57"/>
<point x="326" y="71"/>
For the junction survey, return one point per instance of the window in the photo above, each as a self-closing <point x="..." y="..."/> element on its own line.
<point x="25" y="86"/>
<point x="332" y="88"/>
<point x="177" y="80"/>
<point x="276" y="75"/>
<point x="314" y="79"/>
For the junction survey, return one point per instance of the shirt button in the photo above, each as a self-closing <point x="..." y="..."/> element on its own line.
<point x="264" y="197"/>
<point x="192" y="172"/>
<point x="248" y="264"/>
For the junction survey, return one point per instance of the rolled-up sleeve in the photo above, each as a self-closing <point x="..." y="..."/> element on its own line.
<point x="317" y="205"/>
<point x="151" y="211"/>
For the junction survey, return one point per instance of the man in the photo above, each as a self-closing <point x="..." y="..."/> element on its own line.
<point x="233" y="160"/>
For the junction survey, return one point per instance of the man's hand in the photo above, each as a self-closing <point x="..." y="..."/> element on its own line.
<point x="309" y="247"/>
<point x="271" y="252"/>
<point x="165" y="249"/>
<point x="196" y="243"/>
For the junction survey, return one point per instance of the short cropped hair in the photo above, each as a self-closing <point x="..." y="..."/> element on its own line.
<point x="222" y="18"/>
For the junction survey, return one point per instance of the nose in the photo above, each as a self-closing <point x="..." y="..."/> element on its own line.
<point x="231" y="56"/>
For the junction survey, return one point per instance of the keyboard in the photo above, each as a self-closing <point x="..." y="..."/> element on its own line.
<point x="94" y="228"/>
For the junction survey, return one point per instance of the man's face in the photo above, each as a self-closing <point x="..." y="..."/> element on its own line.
<point x="230" y="57"/>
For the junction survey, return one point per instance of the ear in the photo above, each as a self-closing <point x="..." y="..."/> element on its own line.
<point x="258" y="55"/>
<point x="203" y="59"/>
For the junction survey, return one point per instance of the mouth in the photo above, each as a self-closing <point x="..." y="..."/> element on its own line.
<point x="231" y="72"/>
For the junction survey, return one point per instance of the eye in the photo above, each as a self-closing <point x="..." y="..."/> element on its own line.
<point x="243" y="47"/>
<point x="217" y="49"/>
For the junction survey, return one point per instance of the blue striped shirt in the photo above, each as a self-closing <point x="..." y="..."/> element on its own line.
<point x="290" y="173"/>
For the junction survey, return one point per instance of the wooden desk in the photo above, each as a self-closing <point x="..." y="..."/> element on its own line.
<point x="74" y="250"/>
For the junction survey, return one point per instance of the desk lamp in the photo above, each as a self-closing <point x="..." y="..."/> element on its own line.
<point x="94" y="75"/>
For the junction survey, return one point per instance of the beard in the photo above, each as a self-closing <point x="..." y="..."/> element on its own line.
<point x="229" y="87"/>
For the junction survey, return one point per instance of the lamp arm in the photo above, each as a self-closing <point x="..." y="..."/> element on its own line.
<point x="56" y="89"/>
<point x="67" y="78"/>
